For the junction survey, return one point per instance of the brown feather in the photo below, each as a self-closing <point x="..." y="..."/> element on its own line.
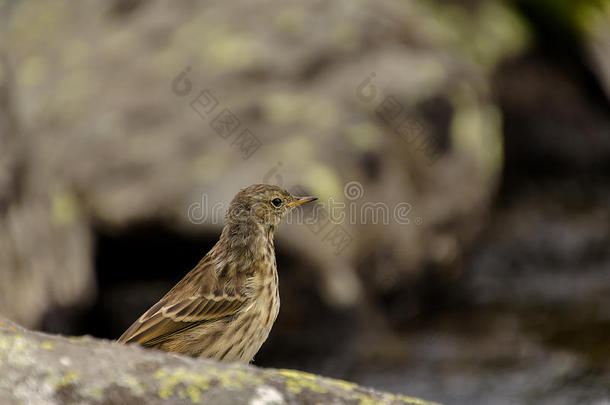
<point x="173" y="313"/>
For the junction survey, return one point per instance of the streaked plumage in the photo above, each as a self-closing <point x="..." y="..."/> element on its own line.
<point x="225" y="307"/>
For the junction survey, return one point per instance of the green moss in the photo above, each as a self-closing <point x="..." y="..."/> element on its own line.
<point x="476" y="132"/>
<point x="363" y="136"/>
<point x="67" y="378"/>
<point x="323" y="180"/>
<point x="95" y="393"/>
<point x="346" y="36"/>
<point x="194" y="393"/>
<point x="192" y="382"/>
<point x="19" y="344"/>
<point x="185" y="384"/>
<point x="565" y="19"/>
<point x="236" y="378"/>
<point x="227" y="49"/>
<point x="32" y="71"/>
<point x="133" y="384"/>
<point x="343" y="385"/>
<point x="64" y="207"/>
<point x="487" y="34"/>
<point x="412" y="400"/>
<point x="366" y="400"/>
<point x="296" y="381"/>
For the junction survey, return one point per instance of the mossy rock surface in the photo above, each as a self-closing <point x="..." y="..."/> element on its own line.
<point x="38" y="368"/>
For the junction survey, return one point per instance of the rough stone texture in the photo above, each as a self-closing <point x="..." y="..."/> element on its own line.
<point x="37" y="368"/>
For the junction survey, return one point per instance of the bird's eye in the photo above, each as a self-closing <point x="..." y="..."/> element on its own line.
<point x="276" y="202"/>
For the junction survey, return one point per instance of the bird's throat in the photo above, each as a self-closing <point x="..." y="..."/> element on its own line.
<point x="248" y="242"/>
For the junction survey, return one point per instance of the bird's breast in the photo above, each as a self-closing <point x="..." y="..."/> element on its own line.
<point x="267" y="303"/>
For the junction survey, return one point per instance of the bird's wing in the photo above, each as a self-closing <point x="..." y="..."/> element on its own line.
<point x="201" y="296"/>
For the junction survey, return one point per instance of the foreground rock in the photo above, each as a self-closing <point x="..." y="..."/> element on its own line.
<point x="46" y="369"/>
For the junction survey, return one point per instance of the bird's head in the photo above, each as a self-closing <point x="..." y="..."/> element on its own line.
<point x="263" y="204"/>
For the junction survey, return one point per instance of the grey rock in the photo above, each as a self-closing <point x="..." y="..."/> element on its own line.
<point x="38" y="368"/>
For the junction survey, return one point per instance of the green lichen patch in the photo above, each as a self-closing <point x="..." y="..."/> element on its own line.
<point x="182" y="382"/>
<point x="411" y="400"/>
<point x="297" y="381"/>
<point x="131" y="382"/>
<point x="191" y="385"/>
<point x="236" y="378"/>
<point x="64" y="380"/>
<point x="90" y="371"/>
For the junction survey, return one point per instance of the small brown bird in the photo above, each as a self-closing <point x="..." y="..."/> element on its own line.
<point x="225" y="307"/>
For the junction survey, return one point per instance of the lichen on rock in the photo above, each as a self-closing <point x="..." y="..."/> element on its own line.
<point x="46" y="369"/>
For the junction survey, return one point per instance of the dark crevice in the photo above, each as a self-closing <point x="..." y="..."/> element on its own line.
<point x="134" y="268"/>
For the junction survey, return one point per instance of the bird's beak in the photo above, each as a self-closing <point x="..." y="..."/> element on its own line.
<point x="301" y="200"/>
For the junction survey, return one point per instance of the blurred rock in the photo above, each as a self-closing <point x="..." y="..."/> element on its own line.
<point x="45" y="242"/>
<point x="117" y="130"/>
<point x="598" y="44"/>
<point x="46" y="369"/>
